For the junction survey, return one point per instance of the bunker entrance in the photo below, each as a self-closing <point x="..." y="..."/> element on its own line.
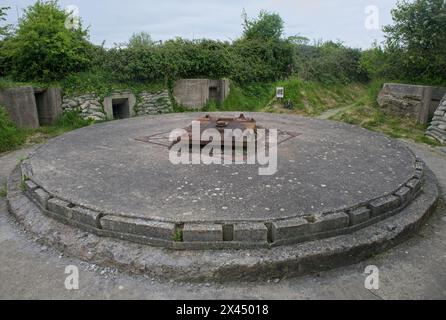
<point x="214" y="94"/>
<point x="121" y="108"/>
<point x="40" y="104"/>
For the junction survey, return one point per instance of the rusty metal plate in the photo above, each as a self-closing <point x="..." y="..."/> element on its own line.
<point x="220" y="124"/>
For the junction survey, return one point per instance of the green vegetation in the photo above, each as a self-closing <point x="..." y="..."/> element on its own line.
<point x="367" y="114"/>
<point x="307" y="97"/>
<point x="67" y="122"/>
<point x="103" y="84"/>
<point x="415" y="49"/>
<point x="313" y="98"/>
<point x="3" y="190"/>
<point x="329" y="63"/>
<point x="317" y="76"/>
<point x="4" y="30"/>
<point x="253" y="97"/>
<point x="10" y="136"/>
<point x="42" y="48"/>
<point x="178" y="236"/>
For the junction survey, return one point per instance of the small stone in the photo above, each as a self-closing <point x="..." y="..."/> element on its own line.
<point x="391" y="227"/>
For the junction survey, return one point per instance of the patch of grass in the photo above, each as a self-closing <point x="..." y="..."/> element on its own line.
<point x="69" y="121"/>
<point x="23" y="185"/>
<point x="368" y="115"/>
<point x="72" y="120"/>
<point x="313" y="98"/>
<point x="252" y="97"/>
<point x="3" y="191"/>
<point x="7" y="83"/>
<point x="11" y="137"/>
<point x="178" y="236"/>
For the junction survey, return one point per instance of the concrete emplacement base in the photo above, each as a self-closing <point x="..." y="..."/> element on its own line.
<point x="341" y="194"/>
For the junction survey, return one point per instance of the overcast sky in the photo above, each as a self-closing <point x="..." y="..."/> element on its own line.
<point x="115" y="20"/>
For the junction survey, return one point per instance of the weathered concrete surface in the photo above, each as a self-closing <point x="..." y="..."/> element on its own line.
<point x="325" y="172"/>
<point x="195" y="93"/>
<point x="309" y="237"/>
<point x="21" y="106"/>
<point x="192" y="93"/>
<point x="328" y="167"/>
<point x="413" y="270"/>
<point x="412" y="101"/>
<point x="223" y="266"/>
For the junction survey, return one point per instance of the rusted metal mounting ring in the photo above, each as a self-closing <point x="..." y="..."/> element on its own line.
<point x="222" y="124"/>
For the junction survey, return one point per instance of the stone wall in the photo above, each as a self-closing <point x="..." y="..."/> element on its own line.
<point x="153" y="103"/>
<point x="411" y="101"/>
<point x="437" y="129"/>
<point x="89" y="105"/>
<point x="92" y="106"/>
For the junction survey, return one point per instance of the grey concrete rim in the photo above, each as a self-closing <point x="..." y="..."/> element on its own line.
<point x="224" y="265"/>
<point x="228" y="234"/>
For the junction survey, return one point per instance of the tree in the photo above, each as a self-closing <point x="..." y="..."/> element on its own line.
<point x="42" y="48"/>
<point x="417" y="39"/>
<point x="140" y="40"/>
<point x="4" y="30"/>
<point x="266" y="26"/>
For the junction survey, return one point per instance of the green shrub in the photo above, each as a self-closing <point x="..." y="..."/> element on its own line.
<point x="10" y="136"/>
<point x="42" y="48"/>
<point x="329" y="63"/>
<point x="259" y="55"/>
<point x="415" y="47"/>
<point x="250" y="97"/>
<point x="103" y="84"/>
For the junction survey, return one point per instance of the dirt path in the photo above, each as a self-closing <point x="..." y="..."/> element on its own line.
<point x="413" y="270"/>
<point x="332" y="112"/>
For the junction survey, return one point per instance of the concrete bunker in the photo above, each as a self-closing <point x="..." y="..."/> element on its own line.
<point x="195" y="93"/>
<point x="120" y="106"/>
<point x="411" y="101"/>
<point x="48" y="104"/>
<point x="31" y="107"/>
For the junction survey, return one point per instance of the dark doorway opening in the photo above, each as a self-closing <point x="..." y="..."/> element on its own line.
<point x="40" y="104"/>
<point x="121" y="108"/>
<point x="214" y="95"/>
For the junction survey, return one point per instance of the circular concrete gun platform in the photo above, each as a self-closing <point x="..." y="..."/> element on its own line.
<point x="339" y="191"/>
